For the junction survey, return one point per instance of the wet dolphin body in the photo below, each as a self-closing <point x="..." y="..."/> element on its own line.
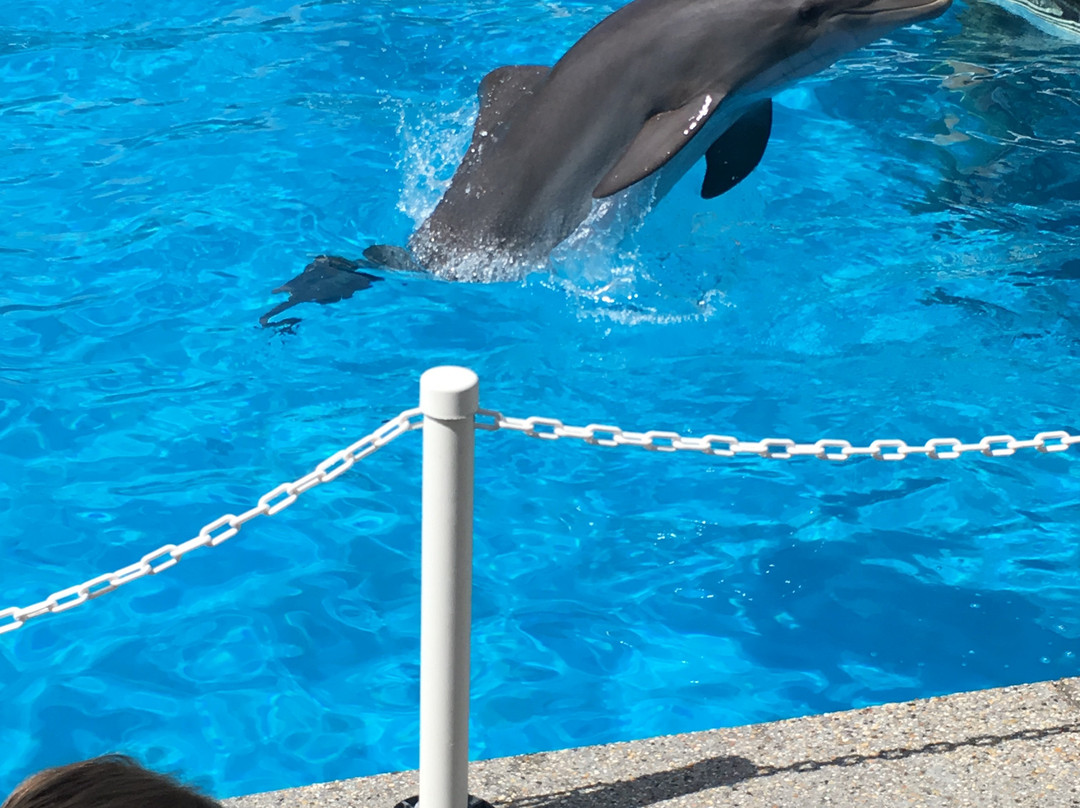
<point x="656" y="85"/>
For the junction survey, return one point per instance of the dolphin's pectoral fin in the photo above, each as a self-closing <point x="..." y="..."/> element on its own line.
<point x="501" y="90"/>
<point x="659" y="140"/>
<point x="736" y="153"/>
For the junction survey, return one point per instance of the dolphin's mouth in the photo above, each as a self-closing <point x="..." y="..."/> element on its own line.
<point x="912" y="11"/>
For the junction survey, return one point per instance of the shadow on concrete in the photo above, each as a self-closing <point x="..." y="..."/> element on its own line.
<point x="649" y="788"/>
<point x="730" y="770"/>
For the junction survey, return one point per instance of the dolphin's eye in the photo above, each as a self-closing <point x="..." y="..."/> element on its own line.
<point x="810" y="12"/>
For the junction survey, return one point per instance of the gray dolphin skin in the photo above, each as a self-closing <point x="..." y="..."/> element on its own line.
<point x="629" y="109"/>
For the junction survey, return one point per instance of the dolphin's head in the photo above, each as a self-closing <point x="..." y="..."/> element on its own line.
<point x="815" y="33"/>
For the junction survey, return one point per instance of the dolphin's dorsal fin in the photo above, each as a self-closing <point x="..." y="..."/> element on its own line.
<point x="660" y="139"/>
<point x="503" y="89"/>
<point x="736" y="153"/>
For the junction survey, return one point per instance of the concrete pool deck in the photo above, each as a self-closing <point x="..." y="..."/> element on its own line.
<point x="1014" y="746"/>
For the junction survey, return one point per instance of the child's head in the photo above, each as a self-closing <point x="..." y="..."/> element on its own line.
<point x="113" y="781"/>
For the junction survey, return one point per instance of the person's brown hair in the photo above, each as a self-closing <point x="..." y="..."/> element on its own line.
<point x="112" y="781"/>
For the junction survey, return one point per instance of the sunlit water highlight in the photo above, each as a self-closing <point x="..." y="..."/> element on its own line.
<point x="903" y="264"/>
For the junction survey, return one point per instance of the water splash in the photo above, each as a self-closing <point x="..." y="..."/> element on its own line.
<point x="593" y="266"/>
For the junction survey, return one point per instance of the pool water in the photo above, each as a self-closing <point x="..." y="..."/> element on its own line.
<point x="903" y="264"/>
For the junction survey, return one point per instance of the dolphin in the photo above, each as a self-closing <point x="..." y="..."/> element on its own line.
<point x="629" y="109"/>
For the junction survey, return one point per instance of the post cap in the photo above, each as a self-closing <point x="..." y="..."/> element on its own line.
<point x="449" y="393"/>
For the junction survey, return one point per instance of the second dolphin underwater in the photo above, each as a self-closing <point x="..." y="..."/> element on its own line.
<point x="628" y="110"/>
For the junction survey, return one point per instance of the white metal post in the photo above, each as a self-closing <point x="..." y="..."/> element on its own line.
<point x="449" y="398"/>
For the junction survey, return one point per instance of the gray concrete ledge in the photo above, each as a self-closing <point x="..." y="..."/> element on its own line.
<point x="1015" y="746"/>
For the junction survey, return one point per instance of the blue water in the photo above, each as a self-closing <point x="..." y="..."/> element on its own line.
<point x="904" y="264"/>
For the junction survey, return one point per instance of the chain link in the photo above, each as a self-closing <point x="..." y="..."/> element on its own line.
<point x="776" y="448"/>
<point x="218" y="531"/>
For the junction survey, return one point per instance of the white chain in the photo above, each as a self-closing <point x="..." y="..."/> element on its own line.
<point x="280" y="498"/>
<point x="778" y="448"/>
<point x="216" y="532"/>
